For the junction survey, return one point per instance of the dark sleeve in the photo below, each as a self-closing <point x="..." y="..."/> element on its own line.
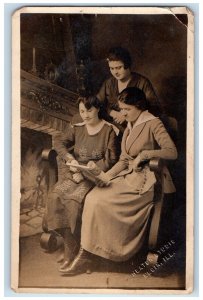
<point x="101" y="95"/>
<point x="111" y="152"/>
<point x="121" y="165"/>
<point x="107" y="97"/>
<point x="154" y="103"/>
<point x="63" y="142"/>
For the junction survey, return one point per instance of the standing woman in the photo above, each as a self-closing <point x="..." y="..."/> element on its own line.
<point x="115" y="216"/>
<point x="122" y="76"/>
<point x="93" y="139"/>
<point x="120" y="63"/>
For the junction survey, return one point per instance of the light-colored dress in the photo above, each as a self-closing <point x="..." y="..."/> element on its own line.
<point x="115" y="218"/>
<point x="65" y="200"/>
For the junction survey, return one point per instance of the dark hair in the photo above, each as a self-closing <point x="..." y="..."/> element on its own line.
<point x="92" y="101"/>
<point x="122" y="54"/>
<point x="134" y="96"/>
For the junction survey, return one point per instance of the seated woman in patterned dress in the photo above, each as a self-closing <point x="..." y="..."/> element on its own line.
<point x="115" y="216"/>
<point x="95" y="140"/>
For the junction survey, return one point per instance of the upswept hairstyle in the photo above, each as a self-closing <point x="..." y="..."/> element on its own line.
<point x="122" y="54"/>
<point x="134" y="96"/>
<point x="92" y="101"/>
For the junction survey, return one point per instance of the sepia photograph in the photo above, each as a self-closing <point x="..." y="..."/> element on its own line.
<point x="102" y="150"/>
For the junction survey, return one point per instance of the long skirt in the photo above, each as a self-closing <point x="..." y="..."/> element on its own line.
<point x="115" y="219"/>
<point x="65" y="203"/>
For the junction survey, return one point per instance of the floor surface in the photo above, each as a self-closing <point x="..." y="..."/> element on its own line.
<point x="39" y="269"/>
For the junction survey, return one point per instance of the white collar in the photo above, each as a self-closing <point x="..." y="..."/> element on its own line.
<point x="144" y="117"/>
<point x="79" y="124"/>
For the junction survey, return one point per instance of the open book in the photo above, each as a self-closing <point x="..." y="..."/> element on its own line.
<point x="80" y="167"/>
<point x="92" y="169"/>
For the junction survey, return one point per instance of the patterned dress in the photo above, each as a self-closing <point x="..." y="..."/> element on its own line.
<point x="65" y="200"/>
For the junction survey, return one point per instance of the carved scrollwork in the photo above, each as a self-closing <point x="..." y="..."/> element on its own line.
<point x="47" y="102"/>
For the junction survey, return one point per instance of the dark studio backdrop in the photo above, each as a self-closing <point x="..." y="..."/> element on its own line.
<point x="75" y="46"/>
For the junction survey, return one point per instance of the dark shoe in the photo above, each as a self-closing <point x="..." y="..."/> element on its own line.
<point x="68" y="256"/>
<point x="65" y="262"/>
<point x="81" y="264"/>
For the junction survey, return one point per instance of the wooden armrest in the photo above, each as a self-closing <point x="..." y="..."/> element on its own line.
<point x="49" y="154"/>
<point x="156" y="164"/>
<point x="50" y="163"/>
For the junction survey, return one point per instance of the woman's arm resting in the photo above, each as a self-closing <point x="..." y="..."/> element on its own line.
<point x="167" y="147"/>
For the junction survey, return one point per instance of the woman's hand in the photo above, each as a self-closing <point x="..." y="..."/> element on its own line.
<point x="117" y="116"/>
<point x="72" y="169"/>
<point x="103" y="179"/>
<point x="136" y="163"/>
<point x="78" y="177"/>
<point x="101" y="183"/>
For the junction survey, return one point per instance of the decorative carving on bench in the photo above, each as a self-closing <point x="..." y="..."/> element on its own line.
<point x="47" y="102"/>
<point x="45" y="106"/>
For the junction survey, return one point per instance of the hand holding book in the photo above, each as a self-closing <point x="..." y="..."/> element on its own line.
<point x="102" y="179"/>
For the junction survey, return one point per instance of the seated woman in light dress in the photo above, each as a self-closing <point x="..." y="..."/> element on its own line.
<point x="93" y="139"/>
<point x="115" y="216"/>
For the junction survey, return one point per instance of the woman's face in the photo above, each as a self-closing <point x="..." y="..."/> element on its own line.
<point x="130" y="112"/>
<point x="118" y="71"/>
<point x="89" y="116"/>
